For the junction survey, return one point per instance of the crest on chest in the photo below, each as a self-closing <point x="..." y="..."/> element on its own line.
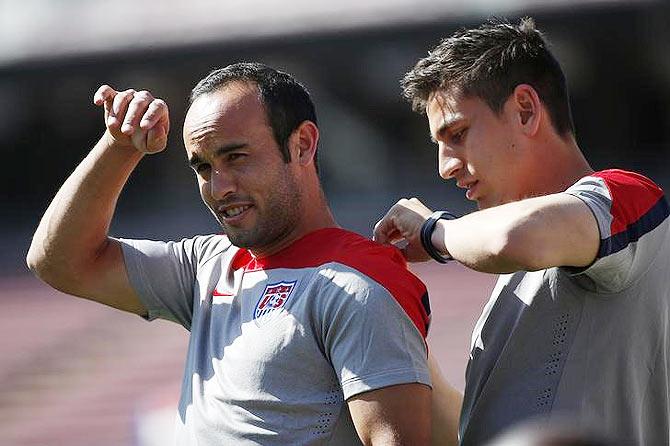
<point x="272" y="300"/>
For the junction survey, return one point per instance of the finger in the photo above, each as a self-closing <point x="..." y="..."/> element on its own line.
<point x="156" y="113"/>
<point x="156" y="139"/>
<point x="419" y="207"/>
<point x="404" y="250"/>
<point x="379" y="231"/>
<point x="139" y="141"/>
<point x="385" y="231"/>
<point x="119" y="106"/>
<point x="157" y="135"/>
<point x="104" y="93"/>
<point x="414" y="252"/>
<point x="136" y="110"/>
<point x="108" y="110"/>
<point x="384" y="227"/>
<point x="105" y="96"/>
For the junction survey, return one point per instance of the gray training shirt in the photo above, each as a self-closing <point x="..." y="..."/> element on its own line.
<point x="591" y="345"/>
<point x="279" y="343"/>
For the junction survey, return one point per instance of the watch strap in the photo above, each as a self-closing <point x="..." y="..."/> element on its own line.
<point x="427" y="232"/>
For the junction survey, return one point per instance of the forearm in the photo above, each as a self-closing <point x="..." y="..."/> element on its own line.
<point x="480" y="240"/>
<point x="73" y="230"/>
<point x="527" y="235"/>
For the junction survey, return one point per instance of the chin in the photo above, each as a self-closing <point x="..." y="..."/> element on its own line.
<point x="485" y="204"/>
<point x="238" y="241"/>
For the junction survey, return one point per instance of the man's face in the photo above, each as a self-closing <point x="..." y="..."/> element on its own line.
<point x="243" y="179"/>
<point x="476" y="147"/>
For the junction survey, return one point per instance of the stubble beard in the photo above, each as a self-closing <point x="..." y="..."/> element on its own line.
<point x="281" y="214"/>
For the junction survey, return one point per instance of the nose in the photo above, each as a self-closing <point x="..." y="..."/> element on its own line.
<point x="221" y="183"/>
<point x="448" y="163"/>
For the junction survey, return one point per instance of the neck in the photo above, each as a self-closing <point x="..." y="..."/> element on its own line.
<point x="315" y="215"/>
<point x="567" y="165"/>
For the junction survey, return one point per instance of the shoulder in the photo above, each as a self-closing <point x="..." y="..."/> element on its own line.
<point x="383" y="264"/>
<point x="357" y="264"/>
<point x="209" y="246"/>
<point x="626" y="198"/>
<point x="623" y="188"/>
<point x="629" y="203"/>
<point x="363" y="262"/>
<point x="197" y="249"/>
<point x="632" y="214"/>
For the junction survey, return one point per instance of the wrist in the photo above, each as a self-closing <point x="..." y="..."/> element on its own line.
<point x="437" y="237"/>
<point x="428" y="234"/>
<point x="109" y="142"/>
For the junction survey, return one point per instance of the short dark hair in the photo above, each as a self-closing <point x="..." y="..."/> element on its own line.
<point x="488" y="62"/>
<point x="287" y="102"/>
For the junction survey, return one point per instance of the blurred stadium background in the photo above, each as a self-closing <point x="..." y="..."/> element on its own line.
<point x="76" y="373"/>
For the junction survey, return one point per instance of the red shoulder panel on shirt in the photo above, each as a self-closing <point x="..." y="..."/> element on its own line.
<point x="383" y="264"/>
<point x="633" y="195"/>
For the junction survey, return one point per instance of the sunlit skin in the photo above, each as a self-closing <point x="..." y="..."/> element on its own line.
<point x="252" y="192"/>
<point x="499" y="158"/>
<point x="478" y="148"/>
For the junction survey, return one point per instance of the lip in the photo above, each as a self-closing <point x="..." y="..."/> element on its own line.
<point x="465" y="182"/>
<point x="471" y="187"/>
<point x="222" y="211"/>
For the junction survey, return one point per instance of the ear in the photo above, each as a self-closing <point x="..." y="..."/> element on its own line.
<point x="304" y="141"/>
<point x="528" y="109"/>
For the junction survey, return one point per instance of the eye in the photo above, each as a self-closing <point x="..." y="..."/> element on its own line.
<point x="234" y="156"/>
<point x="459" y="136"/>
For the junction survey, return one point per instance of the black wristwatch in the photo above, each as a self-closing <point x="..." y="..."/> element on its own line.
<point x="427" y="231"/>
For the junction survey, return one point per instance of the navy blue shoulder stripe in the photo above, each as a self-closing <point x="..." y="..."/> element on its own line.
<point x="647" y="223"/>
<point x="425" y="301"/>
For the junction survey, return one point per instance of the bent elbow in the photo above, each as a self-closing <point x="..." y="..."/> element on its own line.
<point x="35" y="258"/>
<point x="38" y="263"/>
<point x="55" y="272"/>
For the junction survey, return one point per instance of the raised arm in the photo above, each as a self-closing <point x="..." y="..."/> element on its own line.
<point x="71" y="250"/>
<point x="527" y="235"/>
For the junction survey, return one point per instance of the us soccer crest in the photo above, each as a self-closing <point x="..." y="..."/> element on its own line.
<point x="274" y="298"/>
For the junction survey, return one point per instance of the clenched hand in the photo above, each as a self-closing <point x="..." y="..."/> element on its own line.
<point x="134" y="118"/>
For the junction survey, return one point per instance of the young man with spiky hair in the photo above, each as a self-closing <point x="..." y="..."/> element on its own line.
<point x="302" y="333"/>
<point x="577" y="325"/>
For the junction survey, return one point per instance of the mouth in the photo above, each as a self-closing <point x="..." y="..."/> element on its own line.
<point x="233" y="213"/>
<point x="470" y="189"/>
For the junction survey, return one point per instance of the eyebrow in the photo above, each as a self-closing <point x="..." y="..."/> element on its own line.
<point x="194" y="159"/>
<point x="446" y="125"/>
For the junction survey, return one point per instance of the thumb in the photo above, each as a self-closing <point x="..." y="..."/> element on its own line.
<point x="384" y="231"/>
<point x="156" y="139"/>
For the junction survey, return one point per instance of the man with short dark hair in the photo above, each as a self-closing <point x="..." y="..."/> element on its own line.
<point x="578" y="321"/>
<point x="301" y="332"/>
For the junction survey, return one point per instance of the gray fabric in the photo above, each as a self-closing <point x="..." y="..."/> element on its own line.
<point x="280" y="377"/>
<point x="594" y="192"/>
<point x="591" y="347"/>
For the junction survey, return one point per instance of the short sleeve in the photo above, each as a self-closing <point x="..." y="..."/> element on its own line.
<point x="632" y="216"/>
<point x="164" y="274"/>
<point x="368" y="337"/>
